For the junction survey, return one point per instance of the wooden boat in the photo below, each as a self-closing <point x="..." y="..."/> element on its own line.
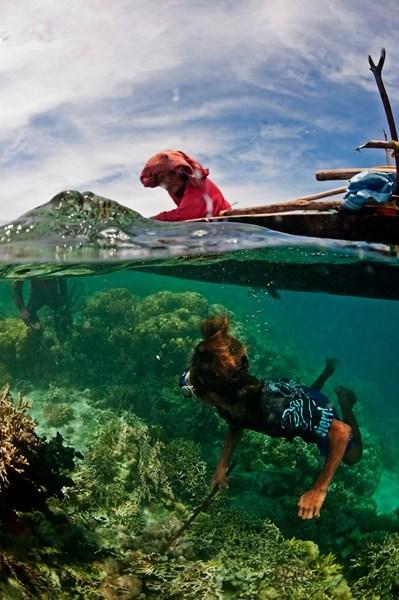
<point x="317" y="215"/>
<point x="320" y="217"/>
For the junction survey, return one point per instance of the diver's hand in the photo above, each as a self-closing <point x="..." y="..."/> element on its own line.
<point x="310" y="503"/>
<point x="219" y="478"/>
<point x="28" y="320"/>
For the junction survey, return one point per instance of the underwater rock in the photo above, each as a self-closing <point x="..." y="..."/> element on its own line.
<point x="57" y="415"/>
<point x="117" y="586"/>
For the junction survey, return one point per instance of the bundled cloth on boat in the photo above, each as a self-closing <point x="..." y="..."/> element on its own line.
<point x="368" y="185"/>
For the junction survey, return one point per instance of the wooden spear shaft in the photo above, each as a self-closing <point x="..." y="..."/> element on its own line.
<point x="377" y="72"/>
<point x="197" y="511"/>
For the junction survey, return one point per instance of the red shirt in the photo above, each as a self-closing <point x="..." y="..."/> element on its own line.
<point x="197" y="202"/>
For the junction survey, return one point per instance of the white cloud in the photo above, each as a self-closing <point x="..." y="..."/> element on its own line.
<point x="259" y="90"/>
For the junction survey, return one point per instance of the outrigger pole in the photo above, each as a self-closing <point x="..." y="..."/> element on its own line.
<point x="393" y="145"/>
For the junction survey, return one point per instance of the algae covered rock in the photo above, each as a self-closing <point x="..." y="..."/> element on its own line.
<point x="57" y="415"/>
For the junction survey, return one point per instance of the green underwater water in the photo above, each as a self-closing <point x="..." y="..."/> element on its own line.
<point x="146" y="454"/>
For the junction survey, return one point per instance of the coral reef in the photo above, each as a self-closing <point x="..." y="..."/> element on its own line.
<point x="187" y="471"/>
<point x="18" y="346"/>
<point x="5" y="375"/>
<point x="32" y="469"/>
<point x="377" y="570"/>
<point x="17" y="435"/>
<point x="243" y="558"/>
<point x="121" y="473"/>
<point x="167" y="327"/>
<point x="148" y="458"/>
<point x="272" y="474"/>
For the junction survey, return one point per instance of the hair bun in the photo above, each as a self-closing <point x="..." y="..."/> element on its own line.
<point x="215" y="325"/>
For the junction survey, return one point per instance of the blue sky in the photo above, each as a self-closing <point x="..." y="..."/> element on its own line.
<point x="262" y="92"/>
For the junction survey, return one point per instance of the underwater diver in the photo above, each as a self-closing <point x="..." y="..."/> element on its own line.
<point x="52" y="292"/>
<point x="187" y="183"/>
<point x="219" y="376"/>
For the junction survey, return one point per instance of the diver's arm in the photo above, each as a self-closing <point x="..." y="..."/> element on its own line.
<point x="310" y="502"/>
<point x="17" y="288"/>
<point x="230" y="442"/>
<point x="63" y="290"/>
<point x="329" y="369"/>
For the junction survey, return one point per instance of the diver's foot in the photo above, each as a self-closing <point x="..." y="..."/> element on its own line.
<point x="331" y="365"/>
<point x="346" y="398"/>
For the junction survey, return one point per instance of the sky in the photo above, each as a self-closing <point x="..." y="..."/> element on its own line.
<point x="261" y="92"/>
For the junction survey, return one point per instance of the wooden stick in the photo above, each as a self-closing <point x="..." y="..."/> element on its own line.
<point x="274" y="209"/>
<point x="347" y="173"/>
<point x="303" y="203"/>
<point x="197" y="511"/>
<point x="318" y="196"/>
<point x="377" y="72"/>
<point x="380" y="144"/>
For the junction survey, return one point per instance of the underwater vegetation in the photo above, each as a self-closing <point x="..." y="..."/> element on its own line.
<point x="102" y="461"/>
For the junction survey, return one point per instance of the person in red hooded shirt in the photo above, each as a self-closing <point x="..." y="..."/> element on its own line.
<point x="187" y="183"/>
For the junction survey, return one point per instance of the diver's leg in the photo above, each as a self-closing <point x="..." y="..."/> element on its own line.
<point x="347" y="399"/>
<point x="329" y="369"/>
<point x="33" y="320"/>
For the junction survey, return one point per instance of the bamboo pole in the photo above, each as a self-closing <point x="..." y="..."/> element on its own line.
<point x="349" y="172"/>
